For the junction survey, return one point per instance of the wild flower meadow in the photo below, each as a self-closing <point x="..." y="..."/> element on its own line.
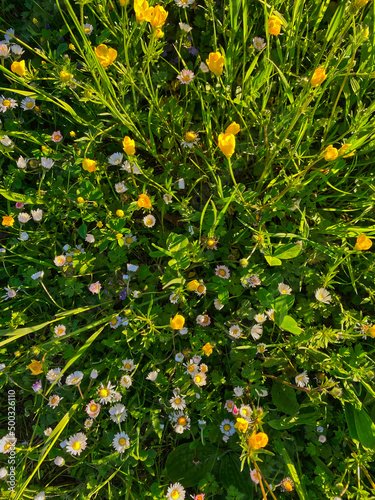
<point x="186" y="249"/>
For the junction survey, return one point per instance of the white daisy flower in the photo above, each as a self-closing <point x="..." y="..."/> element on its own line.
<point x="183" y="331"/>
<point x="203" y="67"/>
<point x="176" y="491"/>
<point x="40" y="496"/>
<point x="53" y="375"/>
<point x="6" y="141"/>
<point x="227" y="427"/>
<point x="259" y="43"/>
<point x="47" y="163"/>
<point x="302" y="379"/>
<point x="7" y="103"/>
<point x="37" y="214"/>
<point x="24" y="236"/>
<point x="76" y="443"/>
<point x="59" y="461"/>
<point x="7" y="443"/>
<point x="21" y="163"/>
<point x="126" y="381"/>
<point x="87" y="28"/>
<point x="130" y="168"/>
<point x="128" y="365"/>
<point x="28" y="103"/>
<point x="174" y="297"/>
<point x="152" y="376"/>
<point x="59" y="330"/>
<point x="238" y="391"/>
<point x="129" y="239"/>
<point x="37" y="275"/>
<point x="178" y="402"/>
<point x="185" y="27"/>
<point x="23" y="217"/>
<point x="115" y="159"/>
<point x="262" y="393"/>
<point x="200" y="379"/>
<point x="74" y="379"/>
<point x="191" y="368"/>
<point x="245" y="411"/>
<point x="261" y="348"/>
<point x="93" y="409"/>
<point x="190" y="139"/>
<point x="167" y="197"/>
<point x="256" y="331"/>
<point x="271" y="314"/>
<point x="184" y="4"/>
<point x="105" y="393"/>
<point x="121" y="442"/>
<point x="90" y="238"/>
<point x="48" y="431"/>
<point x="17" y="49"/>
<point x="260" y="318"/>
<point x="284" y="289"/>
<point x="323" y="295"/>
<point x="118" y="413"/>
<point x="218" y="305"/>
<point x="235" y="331"/>
<point x="4" y="50"/>
<point x="120" y="187"/>
<point x="54" y="401"/>
<point x="179" y="357"/>
<point x="201" y="289"/>
<point x="149" y="220"/>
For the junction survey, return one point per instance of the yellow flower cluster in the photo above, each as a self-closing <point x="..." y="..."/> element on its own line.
<point x="227" y="141"/>
<point x="106" y="55"/>
<point x="156" y="16"/>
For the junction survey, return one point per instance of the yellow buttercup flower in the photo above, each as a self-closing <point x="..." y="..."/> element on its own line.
<point x="158" y="16"/>
<point x="80" y="199"/>
<point x="120" y="213"/>
<point x="128" y="146"/>
<point x="274" y="25"/>
<point x="363" y="243"/>
<point x="99" y="224"/>
<point x="105" y="55"/>
<point x="371" y="331"/>
<point x="144" y="201"/>
<point x="35" y="367"/>
<point x="192" y="285"/>
<point x="18" y="67"/>
<point x="330" y="153"/>
<point x="7" y="221"/>
<point x="142" y="10"/>
<point x="71" y="47"/>
<point x="318" y="77"/>
<point x="258" y="440"/>
<point x="233" y="128"/>
<point x="89" y="165"/>
<point x="207" y="349"/>
<point x="344" y="149"/>
<point x="177" y="322"/>
<point x="241" y="425"/>
<point x="65" y="76"/>
<point x="227" y="144"/>
<point x="158" y="33"/>
<point x="215" y="63"/>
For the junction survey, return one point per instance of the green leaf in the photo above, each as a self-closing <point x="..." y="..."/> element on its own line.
<point x="273" y="261"/>
<point x="289" y="251"/>
<point x="265" y="298"/>
<point x="189" y="466"/>
<point x="360" y="426"/>
<point x="290" y="325"/>
<point x="298" y="483"/>
<point x="289" y="422"/>
<point x="284" y="398"/>
<point x="230" y="474"/>
<point x="18" y="197"/>
<point x="82" y="231"/>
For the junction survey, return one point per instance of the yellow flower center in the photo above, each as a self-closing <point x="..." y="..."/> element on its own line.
<point x="129" y="240"/>
<point x="6" y="102"/>
<point x="93" y="408"/>
<point x="7" y="446"/>
<point x="226" y="427"/>
<point x="185" y="78"/>
<point x="60" y="331"/>
<point x="69" y="259"/>
<point x="210" y="242"/>
<point x="288" y="486"/>
<point x="230" y="405"/>
<point x="149" y="222"/>
<point x="198" y="379"/>
<point x="114" y="321"/>
<point x="175" y="494"/>
<point x="75" y="380"/>
<point x="30" y="105"/>
<point x="222" y="272"/>
<point x="87" y="30"/>
<point x="104" y="393"/>
<point x="122" y="441"/>
<point x="191" y="368"/>
<point x="76" y="445"/>
<point x="245" y="412"/>
<point x="201" y="288"/>
<point x="128" y="366"/>
<point x="177" y="401"/>
<point x="182" y="421"/>
<point x="190" y="136"/>
<point x="54" y="400"/>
